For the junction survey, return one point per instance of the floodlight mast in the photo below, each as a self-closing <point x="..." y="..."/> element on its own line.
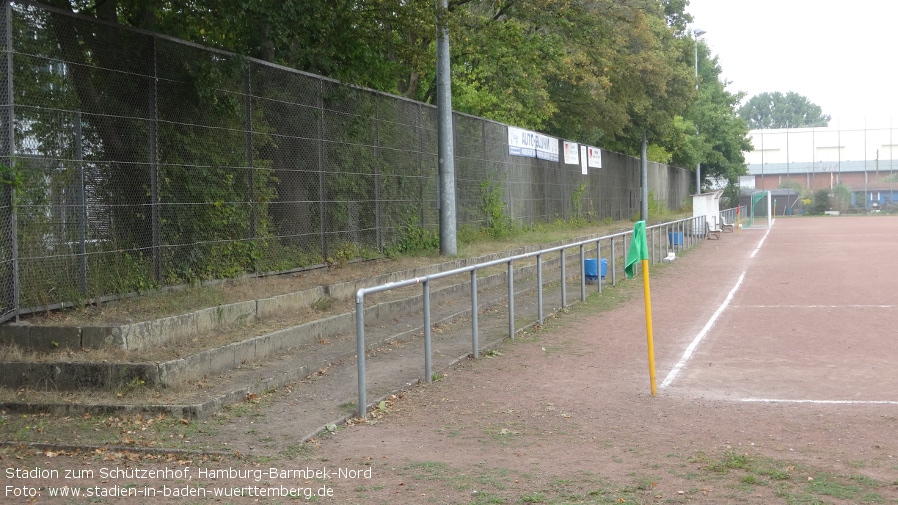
<point x="698" y="169"/>
<point x="445" y="144"/>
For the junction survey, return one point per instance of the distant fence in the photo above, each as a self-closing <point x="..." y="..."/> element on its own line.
<point x="130" y="160"/>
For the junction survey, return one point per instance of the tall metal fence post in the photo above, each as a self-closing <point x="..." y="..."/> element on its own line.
<point x="81" y="206"/>
<point x="156" y="219"/>
<point x="422" y="176"/>
<point x="7" y="158"/>
<point x="322" y="210"/>
<point x="378" y="188"/>
<point x="248" y="145"/>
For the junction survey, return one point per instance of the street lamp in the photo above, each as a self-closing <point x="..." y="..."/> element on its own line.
<point x="698" y="169"/>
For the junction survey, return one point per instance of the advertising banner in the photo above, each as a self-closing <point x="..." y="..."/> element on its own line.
<point x="571" y="153"/>
<point x="594" y="156"/>
<point x="532" y="144"/>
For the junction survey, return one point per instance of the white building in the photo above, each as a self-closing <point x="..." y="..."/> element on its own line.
<point x="862" y="155"/>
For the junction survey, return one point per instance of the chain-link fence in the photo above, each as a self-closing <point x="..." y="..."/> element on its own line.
<point x="8" y="253"/>
<point x="132" y="160"/>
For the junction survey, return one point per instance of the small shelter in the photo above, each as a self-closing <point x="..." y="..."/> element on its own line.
<point x="708" y="205"/>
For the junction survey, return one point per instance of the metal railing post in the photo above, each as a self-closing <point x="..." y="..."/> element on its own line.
<point x="539" y="288"/>
<point x="583" y="273"/>
<point x="613" y="263"/>
<point x="427" y="364"/>
<point x="689" y="229"/>
<point x="563" y="280"/>
<point x="665" y="244"/>
<point x="624" y="252"/>
<point x="685" y="224"/>
<point x="693" y="240"/>
<point x="475" y="345"/>
<point x="599" y="255"/>
<point x="510" y="300"/>
<point x="678" y="236"/>
<point x="360" y="350"/>
<point x="652" y="245"/>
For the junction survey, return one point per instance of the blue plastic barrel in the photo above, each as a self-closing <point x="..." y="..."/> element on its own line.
<point x="592" y="268"/>
<point x="591" y="265"/>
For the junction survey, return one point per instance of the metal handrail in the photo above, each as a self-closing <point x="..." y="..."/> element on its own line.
<point x="688" y="231"/>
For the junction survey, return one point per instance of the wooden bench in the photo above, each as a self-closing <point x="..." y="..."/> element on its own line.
<point x="711" y="232"/>
<point x="725" y="226"/>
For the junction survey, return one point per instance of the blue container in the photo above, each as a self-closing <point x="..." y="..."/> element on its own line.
<point x="675" y="238"/>
<point x="591" y="265"/>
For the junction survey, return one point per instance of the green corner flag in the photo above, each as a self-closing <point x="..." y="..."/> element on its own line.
<point x="639" y="250"/>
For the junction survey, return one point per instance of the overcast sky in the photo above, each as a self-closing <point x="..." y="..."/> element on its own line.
<point x="840" y="55"/>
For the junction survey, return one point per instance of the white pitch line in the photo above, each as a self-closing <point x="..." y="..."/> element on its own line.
<point x="698" y="338"/>
<point x="760" y="243"/>
<point x="815" y="306"/>
<point x="822" y="402"/>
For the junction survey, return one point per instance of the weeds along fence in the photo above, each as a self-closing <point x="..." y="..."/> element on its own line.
<point x="130" y="161"/>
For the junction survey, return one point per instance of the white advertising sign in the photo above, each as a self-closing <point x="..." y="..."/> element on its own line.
<point x="595" y="157"/>
<point x="532" y="144"/>
<point x="583" y="164"/>
<point x="571" y="151"/>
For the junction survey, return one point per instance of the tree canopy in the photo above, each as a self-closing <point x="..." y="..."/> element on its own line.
<point x="601" y="72"/>
<point x="721" y="136"/>
<point x="776" y="110"/>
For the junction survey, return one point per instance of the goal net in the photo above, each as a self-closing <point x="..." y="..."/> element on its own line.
<point x="760" y="212"/>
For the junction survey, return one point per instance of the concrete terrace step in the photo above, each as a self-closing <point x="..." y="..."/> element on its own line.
<point x="298" y="353"/>
<point x="111" y="376"/>
<point x="146" y="334"/>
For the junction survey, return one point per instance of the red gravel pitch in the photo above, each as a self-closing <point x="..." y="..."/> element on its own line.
<point x="814" y="320"/>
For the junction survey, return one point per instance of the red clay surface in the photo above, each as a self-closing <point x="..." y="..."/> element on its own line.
<point x="815" y="318"/>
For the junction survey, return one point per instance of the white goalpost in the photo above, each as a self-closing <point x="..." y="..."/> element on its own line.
<point x="761" y="207"/>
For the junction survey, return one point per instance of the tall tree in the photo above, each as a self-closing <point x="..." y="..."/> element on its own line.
<point x="712" y="133"/>
<point x="776" y="110"/>
<point x="596" y="71"/>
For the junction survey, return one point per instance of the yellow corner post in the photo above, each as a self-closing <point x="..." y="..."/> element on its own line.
<point x="648" y="324"/>
<point x="738" y="219"/>
<point x="639" y="252"/>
